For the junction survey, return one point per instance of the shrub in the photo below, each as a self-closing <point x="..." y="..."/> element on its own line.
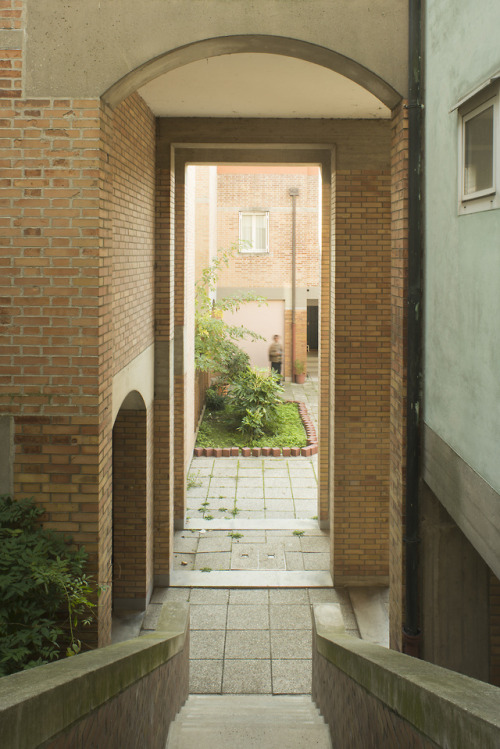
<point x="43" y="589"/>
<point x="255" y="397"/>
<point x="214" y="400"/>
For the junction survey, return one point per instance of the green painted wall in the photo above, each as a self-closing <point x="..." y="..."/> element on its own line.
<point x="462" y="265"/>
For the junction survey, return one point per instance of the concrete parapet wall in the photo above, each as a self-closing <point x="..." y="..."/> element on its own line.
<point x="372" y="697"/>
<point x="122" y="695"/>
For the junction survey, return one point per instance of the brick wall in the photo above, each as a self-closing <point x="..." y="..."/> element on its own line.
<point x="133" y="174"/>
<point x="362" y="373"/>
<point x="399" y="284"/>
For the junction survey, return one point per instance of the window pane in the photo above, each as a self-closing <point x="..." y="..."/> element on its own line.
<point x="478" y="172"/>
<point x="246" y="230"/>
<point x="260" y="232"/>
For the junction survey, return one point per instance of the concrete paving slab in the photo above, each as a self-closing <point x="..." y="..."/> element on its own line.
<point x="186" y="544"/>
<point x="254" y="504"/>
<point x="162" y="595"/>
<point x="196" y="492"/>
<point x="249" y="596"/>
<point x="207" y="644"/>
<point x="279" y="482"/>
<point x="292" y="644"/>
<point x="247" y="677"/>
<point x="292" y="676"/>
<point x="242" y="644"/>
<point x="277" y="492"/>
<point x="301" y="493"/>
<point x="315" y="543"/>
<point x="209" y="596"/>
<point x="208" y="616"/>
<point x="205" y="677"/>
<point x="314" y="561"/>
<point x="271" y="559"/>
<point x="290" y="616"/>
<point x="217" y="543"/>
<point x="183" y="561"/>
<point x="244" y="557"/>
<point x="255" y="482"/>
<point x="289" y="595"/>
<point x="251" y="579"/>
<point x="221" y="492"/>
<point x="268" y="524"/>
<point x="253" y="616"/>
<point x="322" y="595"/>
<point x="220" y="560"/>
<point x="294" y="560"/>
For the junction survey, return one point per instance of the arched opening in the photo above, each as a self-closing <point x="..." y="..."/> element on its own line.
<point x="131" y="567"/>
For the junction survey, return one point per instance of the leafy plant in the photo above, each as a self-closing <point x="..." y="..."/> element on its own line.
<point x="299" y="366"/>
<point x="206" y="569"/>
<point x="298" y="533"/>
<point x="215" y="350"/>
<point x="255" y="398"/>
<point x="193" y="480"/>
<point x="235" y="534"/>
<point x="45" y="594"/>
<point x="214" y="400"/>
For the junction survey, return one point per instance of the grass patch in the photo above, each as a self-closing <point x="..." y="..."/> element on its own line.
<point x="220" y="429"/>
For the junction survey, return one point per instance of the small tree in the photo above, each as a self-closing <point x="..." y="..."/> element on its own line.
<point x="214" y="347"/>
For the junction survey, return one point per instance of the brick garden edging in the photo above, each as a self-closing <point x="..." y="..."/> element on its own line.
<point x="256" y="452"/>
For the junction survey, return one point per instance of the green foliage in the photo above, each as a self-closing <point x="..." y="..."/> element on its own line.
<point x="255" y="398"/>
<point x="299" y="366"/>
<point x="220" y="429"/>
<point x="214" y="347"/>
<point x="44" y="593"/>
<point x="214" y="400"/>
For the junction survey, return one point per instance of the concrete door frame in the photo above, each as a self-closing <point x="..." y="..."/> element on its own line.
<point x="322" y="155"/>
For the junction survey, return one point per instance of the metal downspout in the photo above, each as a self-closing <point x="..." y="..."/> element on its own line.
<point x="293" y="192"/>
<point x="411" y="629"/>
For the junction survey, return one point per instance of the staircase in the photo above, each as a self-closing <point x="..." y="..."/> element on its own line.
<point x="248" y="722"/>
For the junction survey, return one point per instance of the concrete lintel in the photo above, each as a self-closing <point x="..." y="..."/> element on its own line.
<point x="137" y="375"/>
<point x="449" y="708"/>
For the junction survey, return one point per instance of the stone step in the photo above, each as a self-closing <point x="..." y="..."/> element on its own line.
<point x="248" y="722"/>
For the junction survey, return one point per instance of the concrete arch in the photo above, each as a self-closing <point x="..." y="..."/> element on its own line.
<point x="256" y="43"/>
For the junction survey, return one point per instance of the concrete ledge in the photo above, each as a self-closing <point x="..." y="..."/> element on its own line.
<point x="39" y="704"/>
<point x="448" y="708"/>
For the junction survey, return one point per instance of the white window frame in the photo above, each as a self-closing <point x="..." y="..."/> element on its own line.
<point x="243" y="245"/>
<point x="489" y="198"/>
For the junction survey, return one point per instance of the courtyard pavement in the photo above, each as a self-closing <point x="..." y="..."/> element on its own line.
<point x="251" y="561"/>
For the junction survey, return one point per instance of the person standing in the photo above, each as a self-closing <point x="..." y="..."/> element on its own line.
<point x="275" y="355"/>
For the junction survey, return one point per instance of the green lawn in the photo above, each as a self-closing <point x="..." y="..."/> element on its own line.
<point x="219" y="429"/>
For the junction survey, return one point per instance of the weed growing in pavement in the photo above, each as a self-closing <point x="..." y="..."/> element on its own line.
<point x="206" y="569"/>
<point x="298" y="533"/>
<point x="235" y="534"/>
<point x="193" y="480"/>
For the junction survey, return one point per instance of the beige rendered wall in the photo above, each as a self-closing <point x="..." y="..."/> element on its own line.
<point x="266" y="319"/>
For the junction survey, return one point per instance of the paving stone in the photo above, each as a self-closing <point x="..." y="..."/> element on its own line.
<point x="255" y="482"/>
<point x="271" y="559"/>
<point x="247" y="677"/>
<point x="302" y="494"/>
<point x="162" y="595"/>
<point x="288" y="595"/>
<point x="294" y="560"/>
<point x="288" y="543"/>
<point x="322" y="595"/>
<point x="151" y="616"/>
<point x="254" y="505"/>
<point x="184" y="561"/>
<point x="242" y="644"/>
<point x="315" y="543"/>
<point x="244" y="557"/>
<point x="209" y="595"/>
<point x="290" y="616"/>
<point x="221" y="492"/>
<point x="292" y="676"/>
<point x="279" y="505"/>
<point x="186" y="545"/>
<point x="249" y="492"/>
<point x="247" y="538"/>
<point x="291" y="643"/>
<point x="300" y="481"/>
<point x="217" y="543"/>
<point x="277" y="492"/>
<point x="249" y="472"/>
<point x="205" y="616"/>
<point x="216" y="560"/>
<point x="196" y="491"/>
<point x="215" y="503"/>
<point x="274" y="515"/>
<point x="314" y="561"/>
<point x="249" y="596"/>
<point x="247" y="617"/>
<point x="205" y="676"/>
<point x="283" y="481"/>
<point x="207" y="644"/>
<point x="222" y="481"/>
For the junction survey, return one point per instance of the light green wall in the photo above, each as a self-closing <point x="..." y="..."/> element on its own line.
<point x="462" y="266"/>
